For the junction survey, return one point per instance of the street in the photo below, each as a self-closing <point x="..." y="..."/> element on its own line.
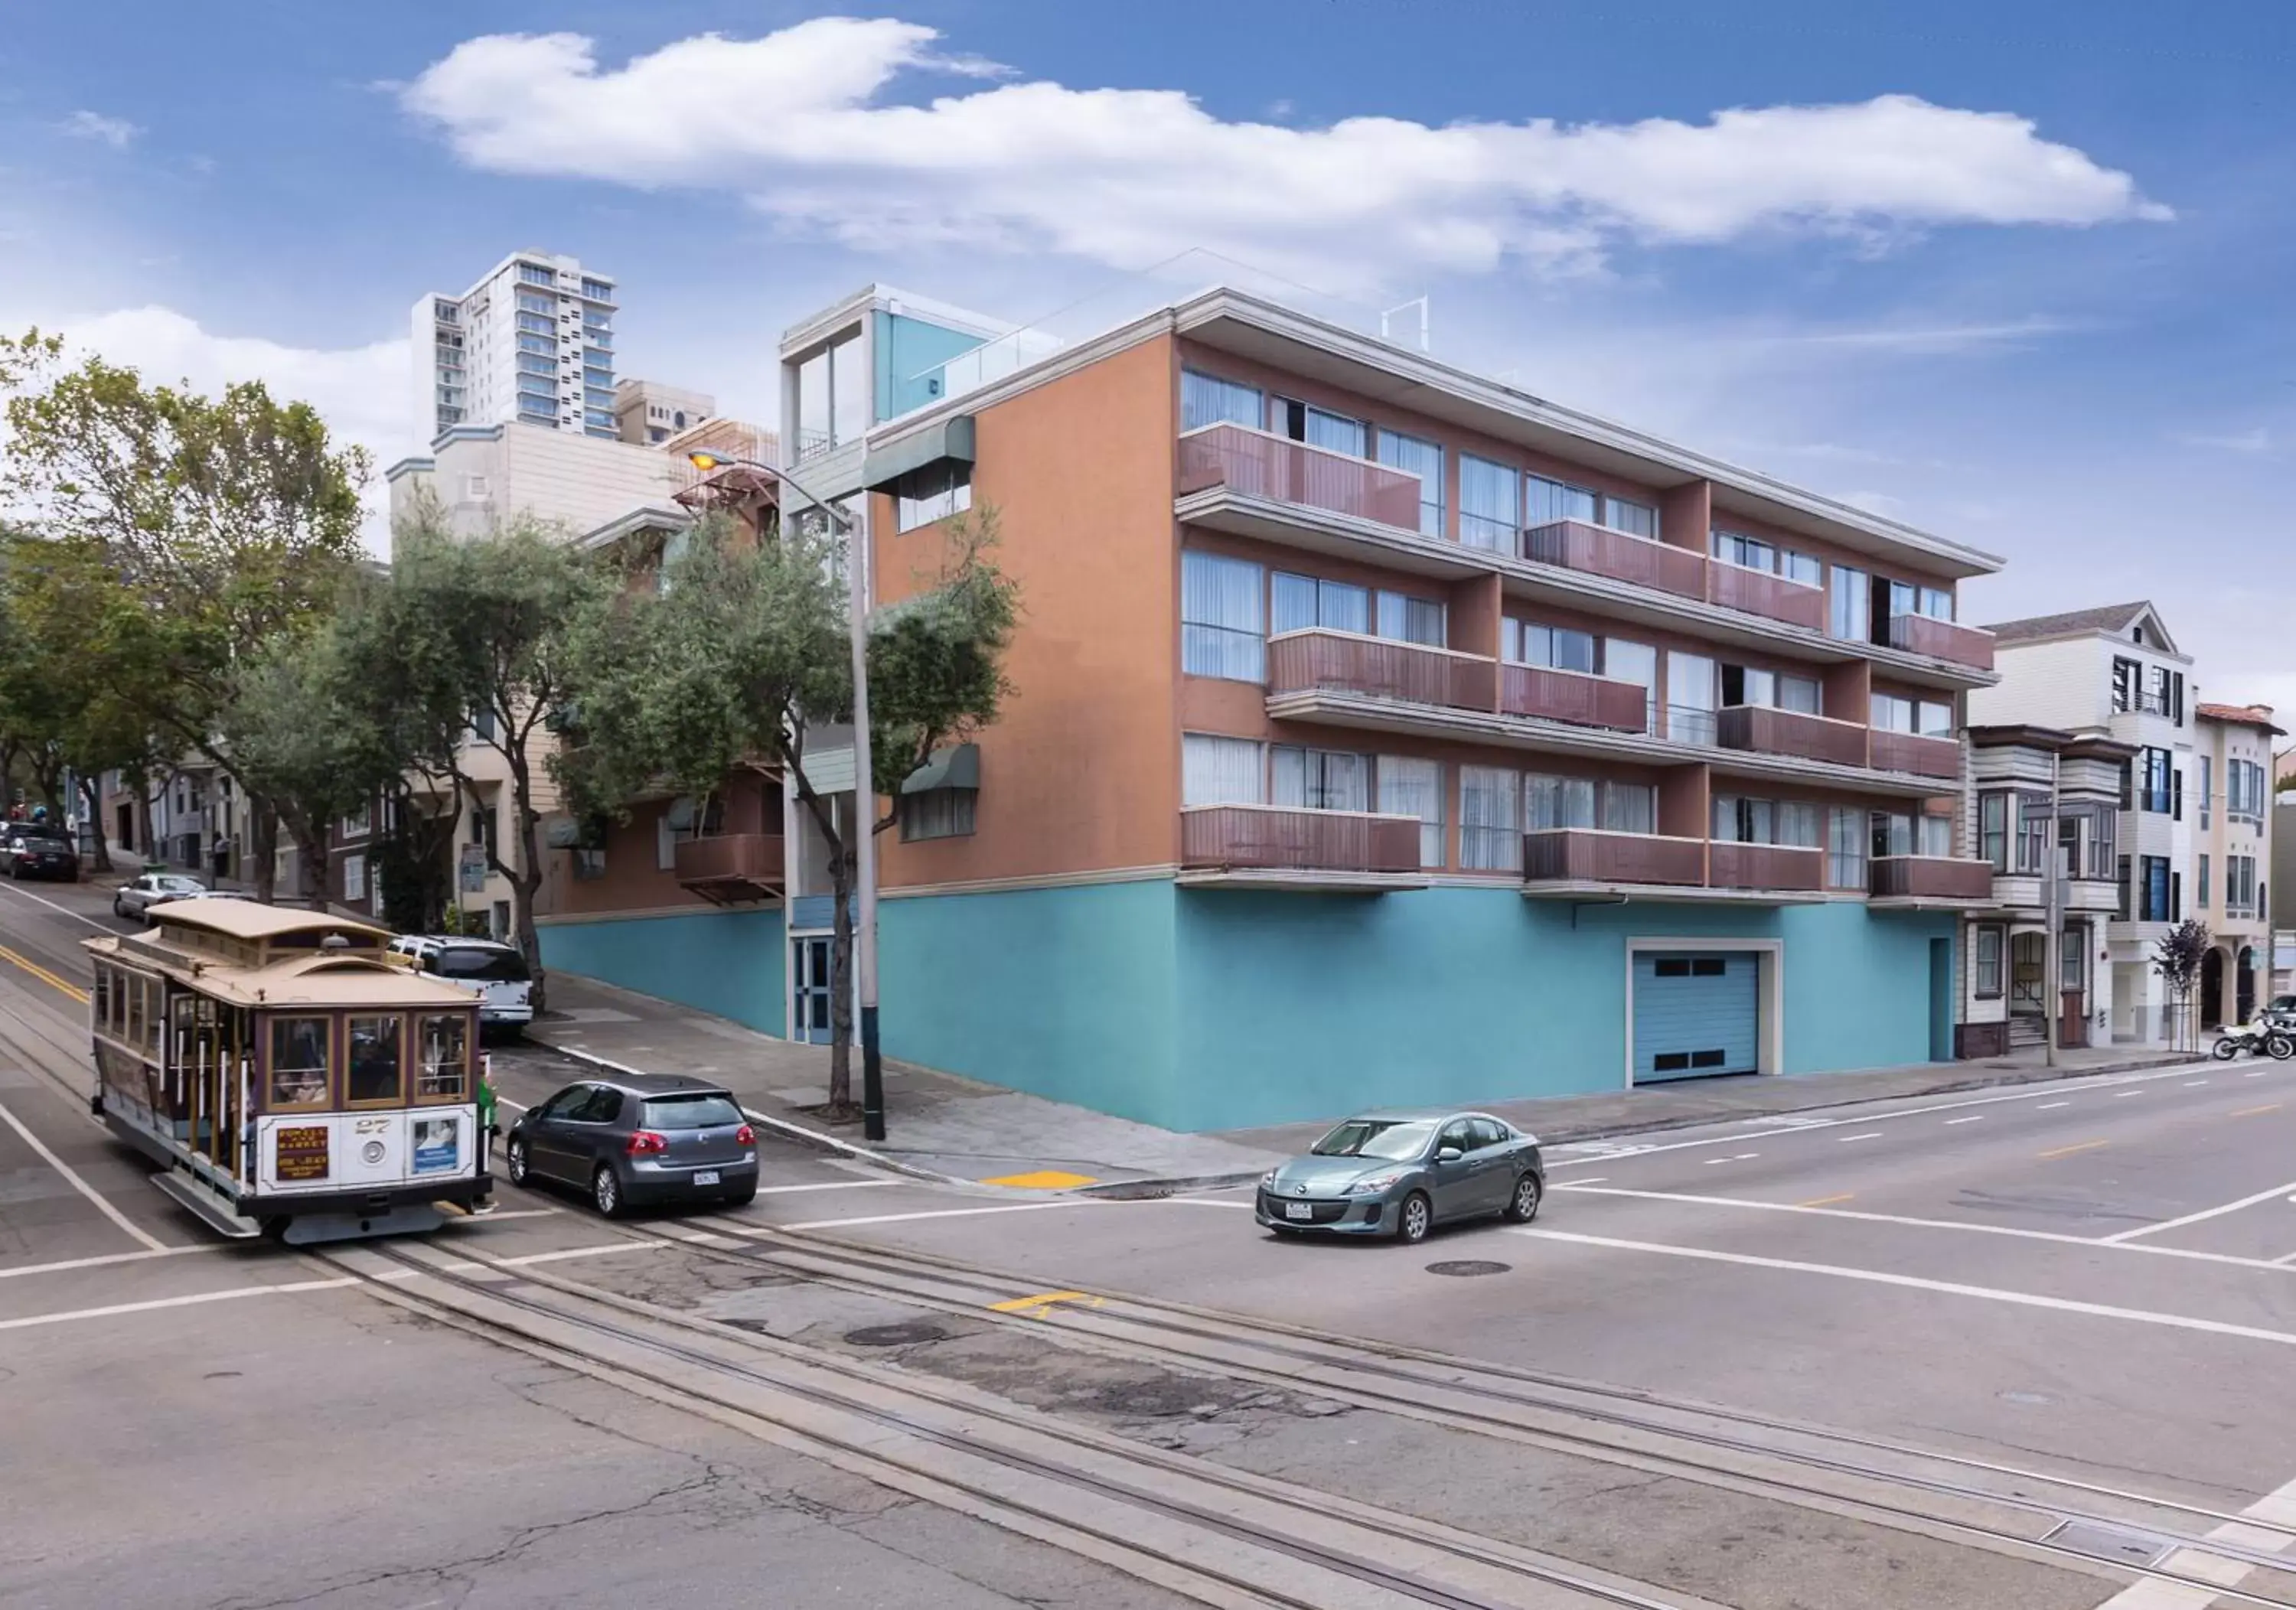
<point x="1868" y="1356"/>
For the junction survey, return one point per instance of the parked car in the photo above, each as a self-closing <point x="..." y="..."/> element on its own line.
<point x="1401" y="1174"/>
<point x="40" y="852"/>
<point x="493" y="971"/>
<point x="636" y="1140"/>
<point x="136" y="899"/>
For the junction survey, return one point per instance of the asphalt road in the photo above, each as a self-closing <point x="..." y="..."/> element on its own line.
<point x="2095" y="1280"/>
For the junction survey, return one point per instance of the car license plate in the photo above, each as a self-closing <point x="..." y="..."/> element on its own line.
<point x="1298" y="1210"/>
<point x="705" y="1176"/>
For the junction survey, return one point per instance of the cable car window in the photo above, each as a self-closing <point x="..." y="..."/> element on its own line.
<point x="299" y="1062"/>
<point x="103" y="996"/>
<point x="374" y="1062"/>
<point x="446" y="1054"/>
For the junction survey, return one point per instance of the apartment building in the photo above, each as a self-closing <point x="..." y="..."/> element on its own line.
<point x="648" y="413"/>
<point x="1379" y="733"/>
<point x="482" y="477"/>
<point x="2233" y="849"/>
<point x="532" y="340"/>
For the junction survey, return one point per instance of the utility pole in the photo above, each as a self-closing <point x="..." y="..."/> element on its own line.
<point x="2052" y="903"/>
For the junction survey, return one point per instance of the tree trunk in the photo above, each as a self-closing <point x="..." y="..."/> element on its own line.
<point x="528" y="878"/>
<point x="311" y="866"/>
<point x="841" y="868"/>
<point x="93" y="788"/>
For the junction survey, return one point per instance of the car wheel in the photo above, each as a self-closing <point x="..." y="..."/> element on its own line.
<point x="606" y="1190"/>
<point x="1417" y="1219"/>
<point x="1523" y="1206"/>
<point x="518" y="1162"/>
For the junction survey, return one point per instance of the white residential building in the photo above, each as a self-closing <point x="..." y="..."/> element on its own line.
<point x="649" y="413"/>
<point x="532" y="340"/>
<point x="484" y="476"/>
<point x="2233" y="840"/>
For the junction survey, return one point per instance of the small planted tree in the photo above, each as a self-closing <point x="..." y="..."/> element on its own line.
<point x="2177" y="959"/>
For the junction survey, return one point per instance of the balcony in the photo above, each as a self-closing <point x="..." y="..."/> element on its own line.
<point x="1915" y="754"/>
<point x="1943" y="640"/>
<point x="1591" y="855"/>
<point x="731" y="867"/>
<point x="1784" y="867"/>
<point x="1378" y="667"/>
<point x="1761" y="593"/>
<point x="1283" y="846"/>
<point x="1619" y="555"/>
<point x="1575" y="697"/>
<point x="1766" y="730"/>
<point x="1254" y="463"/>
<point x="1931" y="880"/>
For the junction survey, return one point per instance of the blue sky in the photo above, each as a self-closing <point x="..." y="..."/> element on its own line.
<point x="2064" y="339"/>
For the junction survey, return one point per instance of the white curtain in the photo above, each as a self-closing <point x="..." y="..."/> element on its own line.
<point x="1413" y="620"/>
<point x="1558" y="802"/>
<point x="1220" y="771"/>
<point x="1799" y="693"/>
<point x="1415" y="787"/>
<point x="1797" y="824"/>
<point x="1318" y="780"/>
<point x="1335" y="432"/>
<point x="1625" y="514"/>
<point x="1491" y="818"/>
<point x="1207" y="400"/>
<point x="1545" y="502"/>
<point x="1220" y="633"/>
<point x="1630" y="808"/>
<point x="1488" y="497"/>
<point x="1424" y="460"/>
<point x="1845" y="865"/>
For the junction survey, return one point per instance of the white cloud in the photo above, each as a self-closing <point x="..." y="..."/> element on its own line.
<point x="2254" y="443"/>
<point x="801" y="122"/>
<point x="118" y="132"/>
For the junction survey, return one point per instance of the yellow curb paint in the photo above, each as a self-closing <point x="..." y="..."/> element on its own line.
<point x="44" y="975"/>
<point x="2067" y="1151"/>
<point x="1827" y="1201"/>
<point x="1043" y="1179"/>
<point x="1041" y="1305"/>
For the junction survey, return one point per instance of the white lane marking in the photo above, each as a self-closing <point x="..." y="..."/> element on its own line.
<point x="2057" y="1236"/>
<point x="1741" y="1157"/>
<point x="783" y="1190"/>
<point x="506" y="1102"/>
<point x="1972" y="1118"/>
<point x="459" y="1264"/>
<point x="67" y="910"/>
<point x="82" y="1186"/>
<point x="2197" y="1085"/>
<point x="1871" y="1134"/>
<point x="2099" y="1082"/>
<point x="2209" y="1212"/>
<point x="2276" y="1509"/>
<point x="184" y="1302"/>
<point x="2121" y="1095"/>
<point x="1990" y="1294"/>
<point x="951" y="1212"/>
<point x="2258" y="1073"/>
<point x="1597" y="1180"/>
<point x="2046" y="1106"/>
<point x="107" y="1258"/>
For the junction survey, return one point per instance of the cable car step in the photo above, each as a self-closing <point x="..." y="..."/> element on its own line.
<point x="188" y="1192"/>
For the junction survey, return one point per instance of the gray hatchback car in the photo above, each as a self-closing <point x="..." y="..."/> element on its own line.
<point x="636" y="1140"/>
<point x="1403" y="1172"/>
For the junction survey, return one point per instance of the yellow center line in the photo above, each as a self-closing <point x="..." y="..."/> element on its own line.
<point x="1041" y="1305"/>
<point x="1827" y="1201"/>
<point x="44" y="975"/>
<point x="2250" y="1112"/>
<point x="2084" y="1146"/>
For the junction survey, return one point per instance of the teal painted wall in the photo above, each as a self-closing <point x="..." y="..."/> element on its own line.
<point x="1858" y="986"/>
<point x="907" y="347"/>
<point x="732" y="963"/>
<point x="1063" y="992"/>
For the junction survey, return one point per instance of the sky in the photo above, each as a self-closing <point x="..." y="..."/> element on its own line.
<point x="2018" y="274"/>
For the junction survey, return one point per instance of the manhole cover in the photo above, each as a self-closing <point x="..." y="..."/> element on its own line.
<point x="897" y="1336"/>
<point x="1468" y="1266"/>
<point x="2120" y="1546"/>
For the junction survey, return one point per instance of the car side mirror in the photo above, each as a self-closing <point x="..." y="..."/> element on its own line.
<point x="1448" y="1154"/>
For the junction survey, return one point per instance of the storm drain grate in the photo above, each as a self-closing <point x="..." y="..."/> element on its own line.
<point x="2119" y="1544"/>
<point x="897" y="1336"/>
<point x="1468" y="1266"/>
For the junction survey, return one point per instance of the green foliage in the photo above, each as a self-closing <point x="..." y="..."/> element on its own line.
<point x="2180" y="952"/>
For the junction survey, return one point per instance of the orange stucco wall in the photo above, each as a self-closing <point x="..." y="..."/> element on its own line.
<point x="1081" y="771"/>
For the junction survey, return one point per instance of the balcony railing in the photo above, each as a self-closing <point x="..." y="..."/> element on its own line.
<point x="1380" y="667"/>
<point x="1932" y="877"/>
<point x="1942" y="639"/>
<point x="732" y="866"/>
<point x="1766" y="730"/>
<point x="1619" y="555"/>
<point x="1765" y="866"/>
<point x="1915" y="754"/>
<point x="1591" y="855"/>
<point x="1257" y="464"/>
<point x="1572" y="696"/>
<point x="1278" y="837"/>
<point x="1761" y="593"/>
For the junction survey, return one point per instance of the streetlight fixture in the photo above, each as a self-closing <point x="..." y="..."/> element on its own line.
<point x="865" y="853"/>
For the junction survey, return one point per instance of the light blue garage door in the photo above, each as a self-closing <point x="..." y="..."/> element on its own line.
<point x="1696" y="1015"/>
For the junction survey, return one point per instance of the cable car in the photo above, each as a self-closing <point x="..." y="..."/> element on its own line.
<point x="292" y="1075"/>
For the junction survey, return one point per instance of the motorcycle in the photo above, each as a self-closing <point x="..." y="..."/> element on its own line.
<point x="2268" y="1039"/>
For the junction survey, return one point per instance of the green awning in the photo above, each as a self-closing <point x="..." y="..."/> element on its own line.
<point x="957" y="767"/>
<point x="951" y="440"/>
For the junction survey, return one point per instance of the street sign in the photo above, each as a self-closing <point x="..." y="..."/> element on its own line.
<point x="473" y="880"/>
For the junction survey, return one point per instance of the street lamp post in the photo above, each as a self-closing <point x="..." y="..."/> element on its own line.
<point x="865" y="792"/>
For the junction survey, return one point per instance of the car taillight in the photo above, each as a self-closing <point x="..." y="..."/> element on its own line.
<point x="645" y="1140"/>
<point x="745" y="1136"/>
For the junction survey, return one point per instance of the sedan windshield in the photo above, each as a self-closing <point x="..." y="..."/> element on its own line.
<point x="1390" y="1138"/>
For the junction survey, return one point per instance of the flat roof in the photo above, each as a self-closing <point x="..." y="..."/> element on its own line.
<point x="252" y="920"/>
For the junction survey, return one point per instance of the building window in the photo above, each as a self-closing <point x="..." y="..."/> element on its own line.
<point x="2127" y="907"/>
<point x="2153" y="889"/>
<point x="2206" y="780"/>
<point x="359" y="823"/>
<point x="354" y="877"/>
<point x="1332" y="432"/>
<point x="589" y="863"/>
<point x="1489" y="504"/>
<point x="938" y="813"/>
<point x="532" y="363"/>
<point x="2033" y="834"/>
<point x="2125" y="675"/>
<point x="1741" y="821"/>
<point x="1557" y="648"/>
<point x="1296" y="603"/>
<point x="1849" y="605"/>
<point x="535" y="273"/>
<point x="1221" y="630"/>
<point x="2155" y="783"/>
<point x="1318" y="780"/>
<point x="933" y="493"/>
<point x="1413" y="620"/>
<point x="530" y="302"/>
<point x="1993" y="829"/>
<point x="1987" y="984"/>
<point x="1410" y="786"/>
<point x="597" y="291"/>
<point x="545" y="345"/>
<point x="1206" y="399"/>
<point x="1221" y="771"/>
<point x="1491" y="818"/>
<point x="2201" y="887"/>
<point x="1546" y="502"/>
<point x="1424" y="460"/>
<point x="1846" y="832"/>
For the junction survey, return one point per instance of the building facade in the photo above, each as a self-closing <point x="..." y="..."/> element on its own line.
<point x="648" y="413"/>
<point x="1378" y="733"/>
<point x="532" y="340"/>
<point x="482" y="477"/>
<point x="2233" y="847"/>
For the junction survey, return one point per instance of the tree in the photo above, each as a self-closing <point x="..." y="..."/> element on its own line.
<point x="182" y="535"/>
<point x="744" y="654"/>
<point x="2177" y="958"/>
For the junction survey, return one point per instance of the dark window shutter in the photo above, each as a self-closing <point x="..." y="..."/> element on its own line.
<point x="2176" y="897"/>
<point x="2176" y="796"/>
<point x="2176" y="697"/>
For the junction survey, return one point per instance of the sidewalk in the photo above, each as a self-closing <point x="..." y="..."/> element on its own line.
<point x="958" y="1129"/>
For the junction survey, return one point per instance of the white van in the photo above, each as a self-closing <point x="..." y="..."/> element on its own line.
<point x="495" y="972"/>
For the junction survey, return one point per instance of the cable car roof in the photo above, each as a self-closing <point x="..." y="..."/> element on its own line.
<point x="321" y="980"/>
<point x="250" y="919"/>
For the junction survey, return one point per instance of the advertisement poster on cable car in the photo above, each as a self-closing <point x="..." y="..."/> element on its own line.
<point x="437" y="1144"/>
